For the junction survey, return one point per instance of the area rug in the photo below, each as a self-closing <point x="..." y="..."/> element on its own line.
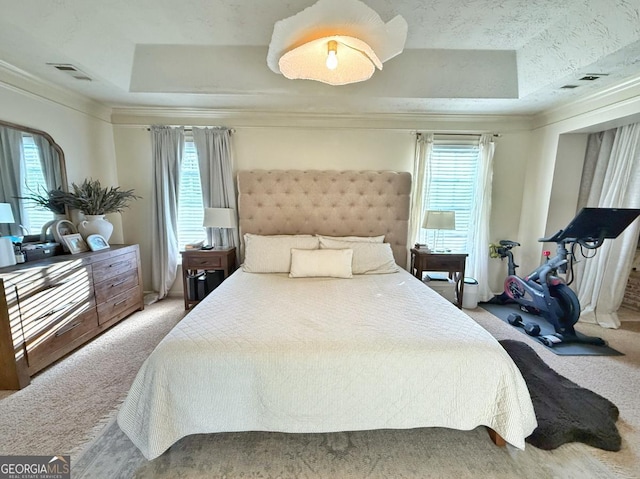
<point x="380" y="454"/>
<point x="502" y="311"/>
<point x="565" y="411"/>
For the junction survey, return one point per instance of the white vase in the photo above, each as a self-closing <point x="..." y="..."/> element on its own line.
<point x="95" y="224"/>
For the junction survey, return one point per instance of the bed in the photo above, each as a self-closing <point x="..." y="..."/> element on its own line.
<point x="268" y="352"/>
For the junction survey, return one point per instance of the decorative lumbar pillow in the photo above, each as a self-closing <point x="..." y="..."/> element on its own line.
<point x="368" y="258"/>
<point x="332" y="263"/>
<point x="360" y="239"/>
<point x="272" y="254"/>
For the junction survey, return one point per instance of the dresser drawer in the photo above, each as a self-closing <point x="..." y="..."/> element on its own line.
<point x="112" y="267"/>
<point x="119" y="305"/>
<point x="62" y="300"/>
<point x="58" y="340"/>
<point x="105" y="290"/>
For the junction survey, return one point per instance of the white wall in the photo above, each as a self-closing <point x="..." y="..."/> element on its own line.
<point x="317" y="148"/>
<point x="87" y="140"/>
<point x="554" y="165"/>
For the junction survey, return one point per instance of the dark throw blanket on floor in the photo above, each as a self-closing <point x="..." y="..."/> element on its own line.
<point x="565" y="411"/>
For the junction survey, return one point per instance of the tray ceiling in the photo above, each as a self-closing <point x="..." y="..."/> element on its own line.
<point x="472" y="56"/>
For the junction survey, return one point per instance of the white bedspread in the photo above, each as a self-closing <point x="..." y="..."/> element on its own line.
<point x="270" y="353"/>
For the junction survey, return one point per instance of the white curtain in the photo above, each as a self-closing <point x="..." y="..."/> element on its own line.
<point x="478" y="239"/>
<point x="424" y="144"/>
<point x="167" y="147"/>
<point x="215" y="162"/>
<point x="615" y="184"/>
<point x="11" y="177"/>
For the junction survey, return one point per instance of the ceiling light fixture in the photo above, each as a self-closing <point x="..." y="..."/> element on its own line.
<point x="335" y="42"/>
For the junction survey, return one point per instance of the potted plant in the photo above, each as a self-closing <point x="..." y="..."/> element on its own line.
<point x="52" y="200"/>
<point x="94" y="200"/>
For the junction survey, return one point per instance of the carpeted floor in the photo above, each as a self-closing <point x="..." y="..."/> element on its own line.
<point x="70" y="402"/>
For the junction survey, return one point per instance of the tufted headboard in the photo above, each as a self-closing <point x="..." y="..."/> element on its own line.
<point x="334" y="203"/>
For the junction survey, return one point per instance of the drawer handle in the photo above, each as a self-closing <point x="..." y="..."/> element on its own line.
<point x="67" y="329"/>
<point x="118" y="283"/>
<point x="55" y="310"/>
<point x="117" y="263"/>
<point x="119" y="302"/>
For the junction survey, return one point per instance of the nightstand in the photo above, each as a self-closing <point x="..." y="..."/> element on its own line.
<point x="452" y="263"/>
<point x="197" y="261"/>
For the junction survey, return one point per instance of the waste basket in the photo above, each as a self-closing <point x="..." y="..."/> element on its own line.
<point x="470" y="295"/>
<point x="442" y="285"/>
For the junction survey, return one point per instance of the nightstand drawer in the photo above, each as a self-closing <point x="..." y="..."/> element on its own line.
<point x="204" y="261"/>
<point x="440" y="263"/>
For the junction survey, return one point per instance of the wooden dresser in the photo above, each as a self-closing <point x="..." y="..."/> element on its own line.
<point x="50" y="307"/>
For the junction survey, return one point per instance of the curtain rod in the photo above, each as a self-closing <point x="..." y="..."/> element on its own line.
<point x="495" y="135"/>
<point x="190" y="128"/>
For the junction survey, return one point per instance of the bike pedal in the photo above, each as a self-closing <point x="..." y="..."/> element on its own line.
<point x="549" y="340"/>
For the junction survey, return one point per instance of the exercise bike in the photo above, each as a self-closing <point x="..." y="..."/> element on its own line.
<point x="545" y="293"/>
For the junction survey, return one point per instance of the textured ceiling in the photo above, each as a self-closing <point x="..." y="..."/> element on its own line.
<point x="514" y="55"/>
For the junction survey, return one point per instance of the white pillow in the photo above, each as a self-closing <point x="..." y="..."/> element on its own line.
<point x="272" y="254"/>
<point x="362" y="239"/>
<point x="368" y="258"/>
<point x="332" y="263"/>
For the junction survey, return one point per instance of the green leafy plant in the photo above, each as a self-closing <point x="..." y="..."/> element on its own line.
<point x="93" y="199"/>
<point x="52" y="200"/>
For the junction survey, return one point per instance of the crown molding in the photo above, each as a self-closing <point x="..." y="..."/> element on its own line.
<point x="597" y="104"/>
<point x="135" y="117"/>
<point x="14" y="79"/>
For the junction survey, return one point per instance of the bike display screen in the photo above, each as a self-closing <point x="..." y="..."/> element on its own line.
<point x="591" y="224"/>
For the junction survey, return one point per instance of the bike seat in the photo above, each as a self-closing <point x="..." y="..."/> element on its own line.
<point x="509" y="243"/>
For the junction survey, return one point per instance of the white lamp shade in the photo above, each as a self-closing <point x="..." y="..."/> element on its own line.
<point x="6" y="213"/>
<point x="439" y="220"/>
<point x="219" y="218"/>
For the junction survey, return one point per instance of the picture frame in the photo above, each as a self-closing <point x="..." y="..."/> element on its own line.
<point x="75" y="243"/>
<point x="97" y="242"/>
<point x="62" y="228"/>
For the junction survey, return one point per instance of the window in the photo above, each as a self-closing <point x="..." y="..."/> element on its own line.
<point x="35" y="217"/>
<point x="190" y="207"/>
<point x="453" y="172"/>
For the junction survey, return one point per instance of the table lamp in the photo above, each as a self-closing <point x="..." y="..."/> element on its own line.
<point x="218" y="218"/>
<point x="7" y="255"/>
<point x="439" y="220"/>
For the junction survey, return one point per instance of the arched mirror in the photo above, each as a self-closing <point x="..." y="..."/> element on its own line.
<point x="31" y="164"/>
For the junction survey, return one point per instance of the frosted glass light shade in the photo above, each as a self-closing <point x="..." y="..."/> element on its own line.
<point x="219" y="218"/>
<point x="356" y="61"/>
<point x="439" y="220"/>
<point x="298" y="47"/>
<point x="6" y="213"/>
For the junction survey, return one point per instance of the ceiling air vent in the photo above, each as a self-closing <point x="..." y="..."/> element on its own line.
<point x="569" y="87"/>
<point x="593" y="76"/>
<point x="70" y="70"/>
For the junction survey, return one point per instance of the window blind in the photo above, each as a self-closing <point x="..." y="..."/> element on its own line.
<point x="190" y="206"/>
<point x="34" y="183"/>
<point x="453" y="172"/>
